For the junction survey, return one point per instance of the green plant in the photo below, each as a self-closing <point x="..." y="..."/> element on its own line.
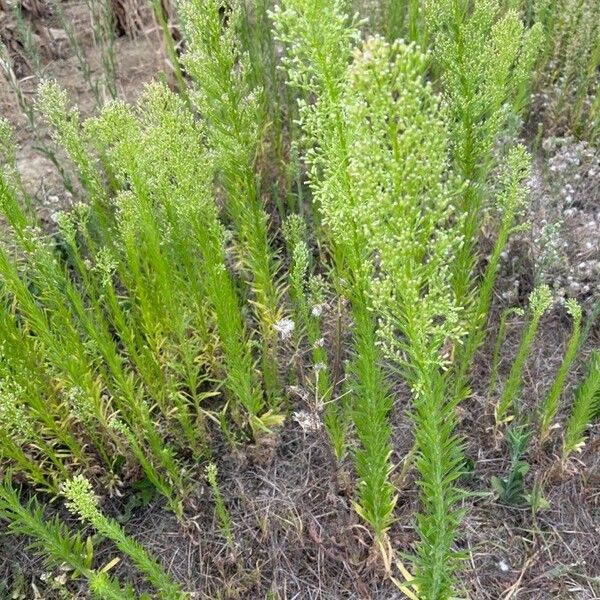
<point x="26" y="105"/>
<point x="398" y="160"/>
<point x="511" y="202"/>
<point x="484" y="57"/>
<point x="535" y="498"/>
<point x="550" y="406"/>
<point x="115" y="319"/>
<point x="169" y="300"/>
<point x="103" y="32"/>
<point x="497" y="352"/>
<point x="82" y="502"/>
<point x="393" y="19"/>
<point x="53" y="540"/>
<point x="568" y="77"/>
<point x="196" y="213"/>
<point x="318" y="37"/>
<point x="511" y="489"/>
<point x="585" y="408"/>
<point x="307" y="298"/>
<point x="233" y="110"/>
<point x="540" y="301"/>
<point x="223" y="515"/>
<point x="380" y="197"/>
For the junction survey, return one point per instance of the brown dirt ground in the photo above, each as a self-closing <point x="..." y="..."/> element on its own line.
<point x="296" y="534"/>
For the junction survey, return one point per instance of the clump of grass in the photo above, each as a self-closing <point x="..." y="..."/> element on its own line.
<point x="103" y="83"/>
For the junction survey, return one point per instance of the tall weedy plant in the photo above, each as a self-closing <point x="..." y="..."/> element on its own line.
<point x="109" y="339"/>
<point x="318" y="37"/>
<point x="379" y="165"/>
<point x="571" y="57"/>
<point x="171" y="197"/>
<point x="511" y="202"/>
<point x="585" y="408"/>
<point x="307" y="313"/>
<point x="56" y="543"/>
<point x="549" y="407"/>
<point x="484" y="60"/>
<point x="232" y="109"/>
<point x="540" y="301"/>
<point x="82" y="502"/>
<point x="398" y="160"/>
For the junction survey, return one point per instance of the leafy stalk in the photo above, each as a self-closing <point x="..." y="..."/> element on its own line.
<point x="52" y="539"/>
<point x="550" y="406"/>
<point x="586" y="407"/>
<point x="82" y="502"/>
<point x="233" y="112"/>
<point x="540" y="301"/>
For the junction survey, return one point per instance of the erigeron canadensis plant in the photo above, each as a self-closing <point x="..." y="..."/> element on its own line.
<point x="144" y="285"/>
<point x="549" y="407"/>
<point x="585" y="408"/>
<point x="380" y="197"/>
<point x="568" y="80"/>
<point x="43" y="346"/>
<point x="17" y="434"/>
<point x="221" y="510"/>
<point x="26" y="104"/>
<point x="497" y="352"/>
<point x="399" y="162"/>
<point x="53" y="104"/>
<point x="484" y="59"/>
<point x="308" y="311"/>
<point x="56" y="543"/>
<point x="73" y="357"/>
<point x="318" y="38"/>
<point x="81" y="501"/>
<point x="511" y="202"/>
<point x="233" y="112"/>
<point x="540" y="300"/>
<point x="172" y="185"/>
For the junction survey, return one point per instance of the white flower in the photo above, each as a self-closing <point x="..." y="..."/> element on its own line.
<point x="285" y="327"/>
<point x="308" y="421"/>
